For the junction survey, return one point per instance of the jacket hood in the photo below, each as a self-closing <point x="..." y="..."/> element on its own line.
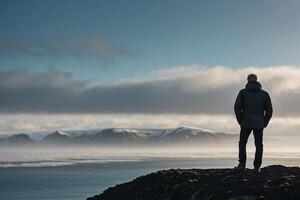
<point x="253" y="86"/>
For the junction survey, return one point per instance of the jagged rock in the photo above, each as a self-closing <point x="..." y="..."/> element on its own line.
<point x="275" y="182"/>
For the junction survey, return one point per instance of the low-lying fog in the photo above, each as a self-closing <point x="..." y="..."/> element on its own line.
<point x="134" y="145"/>
<point x="58" y="156"/>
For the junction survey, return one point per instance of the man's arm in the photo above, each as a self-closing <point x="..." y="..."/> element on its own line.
<point x="268" y="110"/>
<point x="238" y="107"/>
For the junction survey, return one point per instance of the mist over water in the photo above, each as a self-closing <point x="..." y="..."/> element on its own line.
<point x="75" y="173"/>
<point x="68" y="170"/>
<point x="60" y="156"/>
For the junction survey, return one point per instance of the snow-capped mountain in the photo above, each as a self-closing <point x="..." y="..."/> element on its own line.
<point x="115" y="136"/>
<point x="129" y="136"/>
<point x="58" y="137"/>
<point x="190" y="135"/>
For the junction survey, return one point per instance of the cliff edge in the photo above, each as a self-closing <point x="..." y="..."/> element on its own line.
<point x="274" y="182"/>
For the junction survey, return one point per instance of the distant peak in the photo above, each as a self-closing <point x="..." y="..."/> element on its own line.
<point x="190" y="128"/>
<point x="59" y="133"/>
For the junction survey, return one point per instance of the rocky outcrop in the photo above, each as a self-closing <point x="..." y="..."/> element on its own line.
<point x="273" y="183"/>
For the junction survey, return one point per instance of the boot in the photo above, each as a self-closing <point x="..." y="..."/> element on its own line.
<point x="256" y="170"/>
<point x="241" y="167"/>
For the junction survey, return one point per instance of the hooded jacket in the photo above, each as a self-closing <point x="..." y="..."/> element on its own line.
<point x="253" y="106"/>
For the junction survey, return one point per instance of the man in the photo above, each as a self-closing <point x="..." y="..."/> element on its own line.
<point x="253" y="111"/>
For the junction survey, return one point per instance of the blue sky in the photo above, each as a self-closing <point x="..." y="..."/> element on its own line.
<point x="87" y="64"/>
<point x="156" y="34"/>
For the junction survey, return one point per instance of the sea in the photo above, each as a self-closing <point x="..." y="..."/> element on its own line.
<point x="78" y="173"/>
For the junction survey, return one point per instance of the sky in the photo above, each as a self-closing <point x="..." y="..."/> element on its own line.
<point x="151" y="64"/>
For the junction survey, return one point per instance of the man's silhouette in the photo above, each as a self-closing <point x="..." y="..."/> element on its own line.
<point x="253" y="111"/>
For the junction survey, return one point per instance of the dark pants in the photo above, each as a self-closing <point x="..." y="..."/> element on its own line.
<point x="258" y="137"/>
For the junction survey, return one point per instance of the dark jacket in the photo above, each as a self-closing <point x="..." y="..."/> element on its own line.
<point x="253" y="106"/>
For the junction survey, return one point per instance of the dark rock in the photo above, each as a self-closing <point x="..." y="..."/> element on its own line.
<point x="273" y="183"/>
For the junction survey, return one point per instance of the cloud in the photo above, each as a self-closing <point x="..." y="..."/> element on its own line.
<point x="90" y="47"/>
<point x="171" y="97"/>
<point x="199" y="90"/>
<point x="16" y="123"/>
<point x="13" y="123"/>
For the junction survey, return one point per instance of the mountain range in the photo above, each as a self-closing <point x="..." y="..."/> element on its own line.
<point x="122" y="136"/>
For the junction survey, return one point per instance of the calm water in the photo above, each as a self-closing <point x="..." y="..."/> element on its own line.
<point x="62" y="178"/>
